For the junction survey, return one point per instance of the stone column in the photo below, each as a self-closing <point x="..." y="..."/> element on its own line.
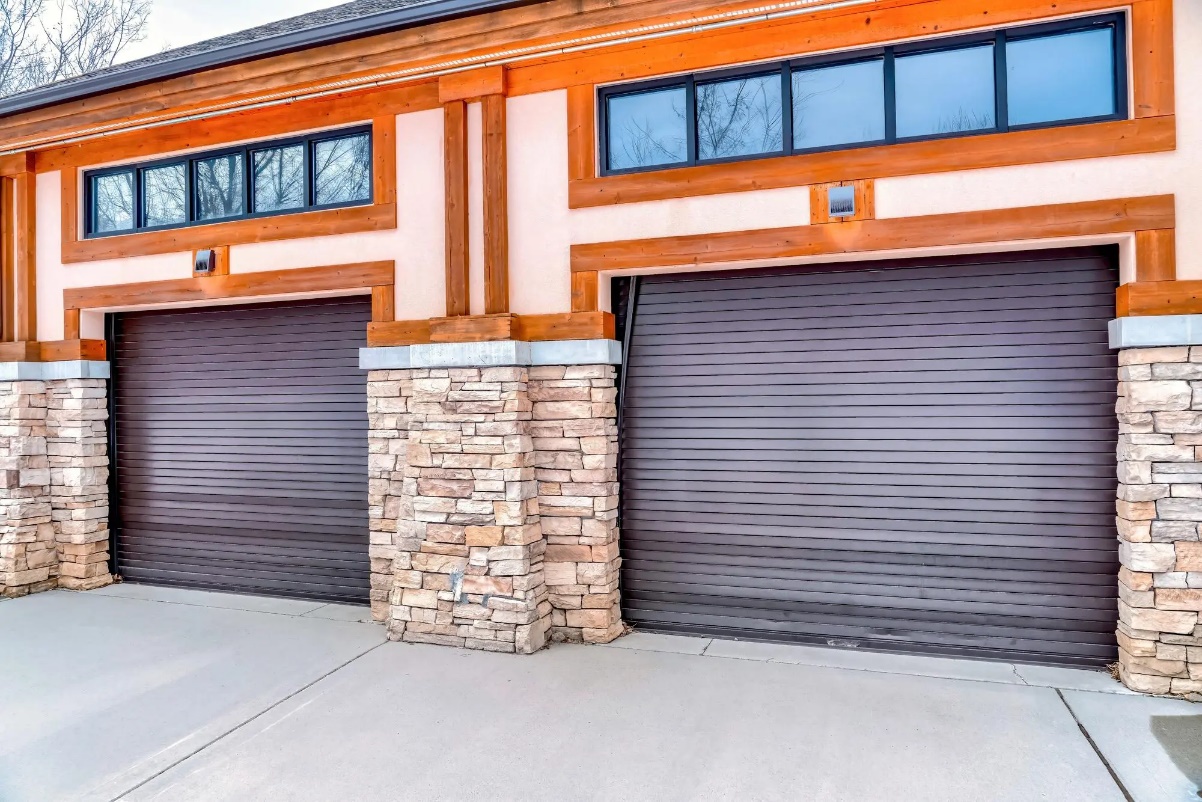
<point x="575" y="435"/>
<point x="387" y="438"/>
<point x="77" y="445"/>
<point x="1159" y="514"/>
<point x="469" y="543"/>
<point x="28" y="559"/>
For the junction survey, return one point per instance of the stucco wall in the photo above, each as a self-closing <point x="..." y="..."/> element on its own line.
<point x="542" y="227"/>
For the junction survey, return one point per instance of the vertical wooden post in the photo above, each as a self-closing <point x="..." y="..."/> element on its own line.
<point x="25" y="255"/>
<point x="496" y="212"/>
<point x="455" y="155"/>
<point x="8" y="286"/>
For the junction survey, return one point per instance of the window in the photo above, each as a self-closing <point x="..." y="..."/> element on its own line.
<point x="1055" y="74"/>
<point x="321" y="171"/>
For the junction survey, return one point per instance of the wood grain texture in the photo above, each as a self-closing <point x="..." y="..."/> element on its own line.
<point x="471" y="84"/>
<point x="484" y="328"/>
<point x="383" y="303"/>
<point x="1156" y="255"/>
<point x="1143" y="298"/>
<point x="379" y="216"/>
<point x="584" y="292"/>
<point x="25" y="231"/>
<point x="71" y="324"/>
<point x="16" y="163"/>
<point x="71" y="350"/>
<point x="8" y="285"/>
<point x="496" y="206"/>
<point x="455" y="173"/>
<point x="1124" y="215"/>
<point x="24" y="351"/>
<point x="357" y="276"/>
<point x="582" y="132"/>
<point x="1152" y="56"/>
<point x="1097" y="140"/>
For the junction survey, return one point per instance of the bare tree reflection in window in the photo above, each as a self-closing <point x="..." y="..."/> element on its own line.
<point x="219" y="187"/>
<point x="165" y="195"/>
<point x="739" y="117"/>
<point x="647" y="128"/>
<point x="343" y="169"/>
<point x="113" y="202"/>
<point x="279" y="178"/>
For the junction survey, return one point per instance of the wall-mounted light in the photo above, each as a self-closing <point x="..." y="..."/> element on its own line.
<point x="206" y="263"/>
<point x="841" y="202"/>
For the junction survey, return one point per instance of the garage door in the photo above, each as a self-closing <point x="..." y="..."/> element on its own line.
<point x="908" y="456"/>
<point x="241" y="449"/>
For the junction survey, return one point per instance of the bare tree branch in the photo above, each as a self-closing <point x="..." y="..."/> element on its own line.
<point x="42" y="42"/>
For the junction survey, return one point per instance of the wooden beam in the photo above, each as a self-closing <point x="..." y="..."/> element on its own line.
<point x="305" y="280"/>
<point x="25" y="254"/>
<point x="1095" y="140"/>
<point x="1092" y="218"/>
<point x="8" y="256"/>
<point x="496" y="206"/>
<point x="20" y="352"/>
<point x="1152" y="54"/>
<point x="71" y="324"/>
<point x="471" y="84"/>
<point x="1143" y="298"/>
<point x="584" y="291"/>
<point x="1156" y="255"/>
<point x="383" y="303"/>
<point x="582" y="132"/>
<point x="70" y="350"/>
<point x="455" y="171"/>
<point x="481" y="328"/>
<point x="17" y="163"/>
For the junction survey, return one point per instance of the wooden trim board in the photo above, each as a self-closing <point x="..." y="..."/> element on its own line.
<point x="483" y="328"/>
<point x="1124" y="215"/>
<point x="455" y="174"/>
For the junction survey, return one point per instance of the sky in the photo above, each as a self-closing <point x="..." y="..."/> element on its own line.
<point x="175" y="23"/>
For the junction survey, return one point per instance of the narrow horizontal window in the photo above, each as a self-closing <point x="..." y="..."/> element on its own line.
<point x="343" y="168"/>
<point x="739" y="117"/>
<point x="279" y="178"/>
<point x="946" y="92"/>
<point x="319" y="171"/>
<point x="843" y="104"/>
<point x="165" y="195"/>
<point x="1058" y="73"/>
<point x="648" y="129"/>
<point x="1064" y="77"/>
<point x="112" y="201"/>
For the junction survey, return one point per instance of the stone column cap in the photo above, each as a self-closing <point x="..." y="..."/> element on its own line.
<point x="50" y="371"/>
<point x="500" y="353"/>
<point x="1156" y="330"/>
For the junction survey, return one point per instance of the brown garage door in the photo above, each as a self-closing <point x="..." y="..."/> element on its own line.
<point x="909" y="456"/>
<point x="241" y="449"/>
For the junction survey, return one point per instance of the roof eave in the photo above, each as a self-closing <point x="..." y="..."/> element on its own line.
<point x="410" y="16"/>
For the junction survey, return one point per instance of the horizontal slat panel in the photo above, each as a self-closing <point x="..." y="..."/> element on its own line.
<point x="241" y="449"/>
<point x="915" y="458"/>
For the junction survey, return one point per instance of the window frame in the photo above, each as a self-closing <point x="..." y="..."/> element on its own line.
<point x="249" y="202"/>
<point x="1115" y="21"/>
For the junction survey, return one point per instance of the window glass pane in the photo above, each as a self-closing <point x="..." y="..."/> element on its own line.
<point x="219" y="185"/>
<point x="343" y="168"/>
<point x="164" y="195"/>
<point x="112" y="202"/>
<point x="647" y="128"/>
<point x="279" y="178"/>
<point x="945" y="92"/>
<point x="739" y="117"/>
<point x="839" y="105"/>
<point x="1064" y="77"/>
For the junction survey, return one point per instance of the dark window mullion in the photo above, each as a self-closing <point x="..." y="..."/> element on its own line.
<point x="310" y="173"/>
<point x="690" y="105"/>
<point x="246" y="204"/>
<point x="890" y="97"/>
<point x="1001" y="101"/>
<point x="1118" y="44"/>
<point x="786" y="108"/>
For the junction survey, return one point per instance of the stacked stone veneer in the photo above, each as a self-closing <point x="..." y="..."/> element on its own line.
<point x="576" y="443"/>
<point x="1159" y="515"/>
<point x="54" y="477"/>
<point x="493" y="505"/>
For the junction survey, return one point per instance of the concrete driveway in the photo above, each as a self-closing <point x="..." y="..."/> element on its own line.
<point x="140" y="693"/>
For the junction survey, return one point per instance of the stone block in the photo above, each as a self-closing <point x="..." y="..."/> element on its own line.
<point x="1145" y="683"/>
<point x="1134" y="579"/>
<point x="1152" y="666"/>
<point x="1179" y="509"/>
<point x="1169" y="531"/>
<point x="1154" y="620"/>
<point x="1188" y="557"/>
<point x="1178" y="599"/>
<point x="1147" y="557"/>
<point x="1150" y="356"/>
